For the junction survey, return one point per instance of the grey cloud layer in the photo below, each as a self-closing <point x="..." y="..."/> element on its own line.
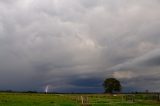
<point x="67" y="42"/>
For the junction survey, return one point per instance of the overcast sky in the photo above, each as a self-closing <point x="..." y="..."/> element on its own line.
<point x="73" y="45"/>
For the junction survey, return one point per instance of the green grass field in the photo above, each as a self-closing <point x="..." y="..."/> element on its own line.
<point x="26" y="99"/>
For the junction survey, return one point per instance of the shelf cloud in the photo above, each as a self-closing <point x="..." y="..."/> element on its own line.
<point x="76" y="44"/>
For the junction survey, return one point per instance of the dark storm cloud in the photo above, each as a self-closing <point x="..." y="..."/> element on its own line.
<point x="75" y="44"/>
<point x="148" y="82"/>
<point x="87" y="82"/>
<point x="155" y="61"/>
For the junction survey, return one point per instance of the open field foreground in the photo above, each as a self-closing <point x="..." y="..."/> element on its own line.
<point x="26" y="99"/>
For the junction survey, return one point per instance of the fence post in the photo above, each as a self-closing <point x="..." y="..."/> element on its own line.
<point x="82" y="99"/>
<point x="85" y="101"/>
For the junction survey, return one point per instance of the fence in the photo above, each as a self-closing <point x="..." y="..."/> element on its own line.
<point x="119" y="99"/>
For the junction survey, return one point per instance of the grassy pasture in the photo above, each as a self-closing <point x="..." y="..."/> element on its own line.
<point x="26" y="99"/>
<point x="21" y="99"/>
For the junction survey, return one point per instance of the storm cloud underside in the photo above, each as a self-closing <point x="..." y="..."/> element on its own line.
<point x="73" y="45"/>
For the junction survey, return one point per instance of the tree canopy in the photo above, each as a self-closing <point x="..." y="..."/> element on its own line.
<point x="111" y="84"/>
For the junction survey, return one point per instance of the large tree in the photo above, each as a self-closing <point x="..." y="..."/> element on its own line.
<point x="111" y="85"/>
